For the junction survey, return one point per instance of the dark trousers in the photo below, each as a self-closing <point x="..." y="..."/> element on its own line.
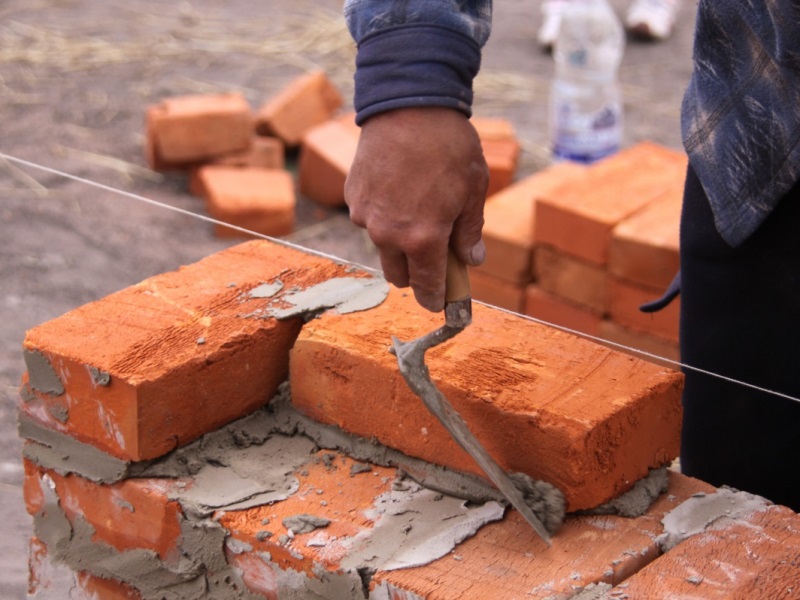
<point x="740" y="317"/>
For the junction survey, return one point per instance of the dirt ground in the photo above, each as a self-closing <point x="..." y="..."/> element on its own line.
<point x="75" y="79"/>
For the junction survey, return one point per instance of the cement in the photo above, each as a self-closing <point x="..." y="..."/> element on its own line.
<point x="635" y="502"/>
<point x="702" y="511"/>
<point x="200" y="571"/>
<point x="43" y="376"/>
<point x="66" y="455"/>
<point x="414" y="527"/>
<point x="344" y="294"/>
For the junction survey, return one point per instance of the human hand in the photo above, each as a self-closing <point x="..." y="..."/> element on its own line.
<point x="418" y="185"/>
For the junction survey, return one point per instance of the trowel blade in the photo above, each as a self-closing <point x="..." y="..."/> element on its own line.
<point x="410" y="359"/>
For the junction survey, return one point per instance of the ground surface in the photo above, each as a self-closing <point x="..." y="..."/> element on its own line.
<point x="75" y="79"/>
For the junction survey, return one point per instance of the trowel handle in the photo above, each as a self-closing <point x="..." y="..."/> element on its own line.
<point x="457" y="286"/>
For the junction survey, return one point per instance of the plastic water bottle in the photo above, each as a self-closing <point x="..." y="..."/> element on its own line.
<point x="585" y="102"/>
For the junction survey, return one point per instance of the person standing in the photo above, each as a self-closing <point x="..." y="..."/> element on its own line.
<point x="418" y="184"/>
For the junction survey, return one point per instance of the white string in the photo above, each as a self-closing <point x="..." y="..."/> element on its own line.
<point x="288" y="244"/>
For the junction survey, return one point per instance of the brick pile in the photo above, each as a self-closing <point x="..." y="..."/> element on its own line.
<point x="238" y="429"/>
<point x="236" y="157"/>
<point x="584" y="247"/>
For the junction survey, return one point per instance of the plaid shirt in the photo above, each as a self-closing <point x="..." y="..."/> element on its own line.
<point x="741" y="111"/>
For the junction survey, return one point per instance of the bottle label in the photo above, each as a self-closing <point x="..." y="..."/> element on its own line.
<point x="586" y="137"/>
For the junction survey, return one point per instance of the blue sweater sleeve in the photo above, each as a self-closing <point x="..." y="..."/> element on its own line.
<point x="416" y="52"/>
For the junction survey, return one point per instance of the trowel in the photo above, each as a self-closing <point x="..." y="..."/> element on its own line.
<point x="411" y="360"/>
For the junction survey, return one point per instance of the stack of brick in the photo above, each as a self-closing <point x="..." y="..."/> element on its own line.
<point x="164" y="459"/>
<point x="237" y="157"/>
<point x="584" y="247"/>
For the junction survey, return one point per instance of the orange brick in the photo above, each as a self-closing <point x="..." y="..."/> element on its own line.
<point x="644" y="247"/>
<point x="130" y="514"/>
<point x="626" y="340"/>
<point x="508" y="222"/>
<point x="263" y="152"/>
<point x="625" y="298"/>
<point x="756" y="555"/>
<point x="326" y="156"/>
<point x="497" y="292"/>
<point x="551" y="309"/>
<point x="143" y="370"/>
<point x="506" y="560"/>
<point x="579" y="220"/>
<point x="306" y="101"/>
<point x="259" y="200"/>
<point x="575" y="280"/>
<point x="186" y="129"/>
<point x="589" y="420"/>
<point x="501" y="149"/>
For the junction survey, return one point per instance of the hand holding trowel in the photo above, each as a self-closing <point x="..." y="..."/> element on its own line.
<point x="521" y="491"/>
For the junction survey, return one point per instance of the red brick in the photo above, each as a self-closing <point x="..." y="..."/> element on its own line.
<point x="644" y="247"/>
<point x="506" y="560"/>
<point x="626" y="340"/>
<point x="172" y="347"/>
<point x="625" y="298"/>
<point x="497" y="292"/>
<point x="550" y="309"/>
<point x="573" y="279"/>
<point x="186" y="129"/>
<point x="543" y="402"/>
<point x="501" y="149"/>
<point x="263" y="152"/>
<point x="259" y="200"/>
<point x="306" y="101"/>
<point x="130" y="514"/>
<point x="508" y="226"/>
<point x="579" y="220"/>
<point x="326" y="156"/>
<point x="756" y="555"/>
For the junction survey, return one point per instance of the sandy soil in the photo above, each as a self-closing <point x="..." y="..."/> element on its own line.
<point x="75" y="79"/>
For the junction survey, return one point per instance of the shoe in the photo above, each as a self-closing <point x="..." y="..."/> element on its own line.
<point x="552" y="10"/>
<point x="652" y="19"/>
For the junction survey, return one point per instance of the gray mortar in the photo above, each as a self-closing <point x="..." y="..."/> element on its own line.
<point x="251" y="462"/>
<point x="701" y="511"/>
<point x="64" y="454"/>
<point x="201" y="571"/>
<point x="636" y="501"/>
<point x="42" y="375"/>
<point x="305" y="523"/>
<point x="344" y="294"/>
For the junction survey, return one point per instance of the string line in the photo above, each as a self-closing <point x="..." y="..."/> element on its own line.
<point x="337" y="259"/>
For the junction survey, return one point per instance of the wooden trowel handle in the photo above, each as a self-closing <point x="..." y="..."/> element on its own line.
<point x="457" y="286"/>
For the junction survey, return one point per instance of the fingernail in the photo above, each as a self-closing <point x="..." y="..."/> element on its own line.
<point x="477" y="254"/>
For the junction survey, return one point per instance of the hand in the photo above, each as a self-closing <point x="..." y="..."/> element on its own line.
<point x="418" y="184"/>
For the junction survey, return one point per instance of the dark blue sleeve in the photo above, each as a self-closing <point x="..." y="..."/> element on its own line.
<point x="416" y="52"/>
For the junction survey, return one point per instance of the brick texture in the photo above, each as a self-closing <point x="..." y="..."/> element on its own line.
<point x="753" y="556"/>
<point x="186" y="129"/>
<point x="541" y="401"/>
<point x="495" y="291"/>
<point x="578" y="281"/>
<point x="256" y="199"/>
<point x="580" y="220"/>
<point x="624" y="301"/>
<point x="508" y="228"/>
<point x="143" y="370"/>
<point x="326" y="156"/>
<point x="644" y="247"/>
<point x="306" y="101"/>
<point x="552" y="309"/>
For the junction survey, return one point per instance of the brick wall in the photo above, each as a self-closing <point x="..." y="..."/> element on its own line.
<point x="237" y="429"/>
